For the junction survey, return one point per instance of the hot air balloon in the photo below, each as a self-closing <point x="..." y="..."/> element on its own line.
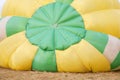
<point x="61" y="36"/>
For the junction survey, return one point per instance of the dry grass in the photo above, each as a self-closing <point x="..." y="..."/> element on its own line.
<point x="6" y="74"/>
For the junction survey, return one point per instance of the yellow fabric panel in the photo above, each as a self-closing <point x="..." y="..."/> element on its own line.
<point x="81" y="57"/>
<point x="22" y="7"/>
<point x="117" y="4"/>
<point x="106" y="21"/>
<point x="8" y="46"/>
<point x="69" y="61"/>
<point x="22" y="58"/>
<point x="87" y="6"/>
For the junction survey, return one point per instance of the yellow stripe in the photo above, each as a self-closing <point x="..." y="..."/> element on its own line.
<point x="88" y="6"/>
<point x="16" y="52"/>
<point x="81" y="57"/>
<point x="8" y="46"/>
<point x="106" y="21"/>
<point x="22" y="58"/>
<point x="25" y="8"/>
<point x="116" y="4"/>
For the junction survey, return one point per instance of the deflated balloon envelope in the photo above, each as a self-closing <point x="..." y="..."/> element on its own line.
<point x="61" y="35"/>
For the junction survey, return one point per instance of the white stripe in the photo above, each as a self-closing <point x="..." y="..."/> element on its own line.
<point x="112" y="48"/>
<point x="1" y="5"/>
<point x="3" y="23"/>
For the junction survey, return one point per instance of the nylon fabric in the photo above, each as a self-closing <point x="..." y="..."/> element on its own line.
<point x="8" y="46"/>
<point x="23" y="56"/>
<point x="50" y="29"/>
<point x="44" y="61"/>
<point x="117" y="4"/>
<point x="3" y="23"/>
<point x="112" y="48"/>
<point x="65" y="1"/>
<point x="60" y="35"/>
<point x="82" y="6"/>
<point x="106" y="21"/>
<point x="88" y="6"/>
<point x="24" y="8"/>
<point x="98" y="40"/>
<point x="15" y="25"/>
<point x="81" y="57"/>
<point x="2" y="2"/>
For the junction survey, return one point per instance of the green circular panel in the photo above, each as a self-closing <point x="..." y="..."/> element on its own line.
<point x="55" y="26"/>
<point x="65" y="1"/>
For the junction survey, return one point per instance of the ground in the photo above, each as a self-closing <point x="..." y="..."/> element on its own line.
<point x="7" y="74"/>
